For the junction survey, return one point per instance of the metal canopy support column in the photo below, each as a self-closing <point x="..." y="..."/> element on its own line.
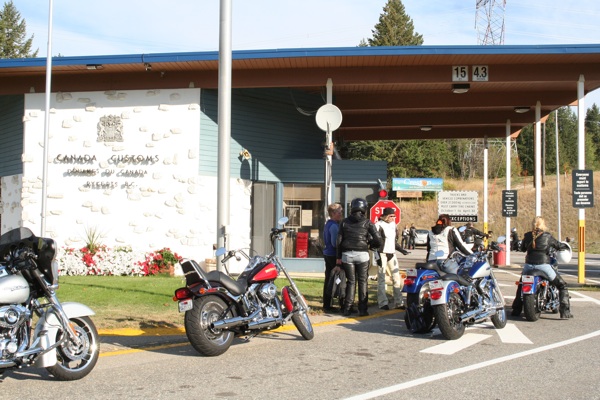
<point x="538" y="159"/>
<point x="581" y="165"/>
<point x="508" y="176"/>
<point x="485" y="184"/>
<point x="224" y="120"/>
<point x="328" y="154"/>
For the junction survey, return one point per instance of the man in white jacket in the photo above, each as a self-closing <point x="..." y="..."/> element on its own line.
<point x="387" y="252"/>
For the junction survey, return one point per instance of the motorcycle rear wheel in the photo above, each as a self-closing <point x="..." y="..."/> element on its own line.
<point x="530" y="308"/>
<point x="300" y="318"/>
<point x="205" y="340"/>
<point x="427" y="321"/>
<point x="75" y="362"/>
<point x="447" y="317"/>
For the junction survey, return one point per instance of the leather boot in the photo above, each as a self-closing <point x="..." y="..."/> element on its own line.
<point x="563" y="297"/>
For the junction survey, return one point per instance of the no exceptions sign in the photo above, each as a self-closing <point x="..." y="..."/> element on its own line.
<point x="462" y="206"/>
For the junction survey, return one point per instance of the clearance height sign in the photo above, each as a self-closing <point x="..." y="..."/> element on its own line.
<point x="461" y="206"/>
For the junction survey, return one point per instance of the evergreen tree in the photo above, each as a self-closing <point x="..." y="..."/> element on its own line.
<point x="404" y="157"/>
<point x="395" y="27"/>
<point x="13" y="41"/>
<point x="592" y="130"/>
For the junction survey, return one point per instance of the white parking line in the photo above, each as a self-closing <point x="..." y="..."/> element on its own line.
<point x="583" y="297"/>
<point x="453" y="346"/>
<point x="474" y="367"/>
<point x="511" y="334"/>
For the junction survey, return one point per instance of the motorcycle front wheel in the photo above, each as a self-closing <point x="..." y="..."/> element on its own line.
<point x="447" y="317"/>
<point x="531" y="307"/>
<point x="204" y="339"/>
<point x="76" y="361"/>
<point x="300" y="318"/>
<point x="499" y="319"/>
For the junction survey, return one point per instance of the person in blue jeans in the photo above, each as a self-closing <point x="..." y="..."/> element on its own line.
<point x="330" y="233"/>
<point x="537" y="244"/>
<point x="356" y="235"/>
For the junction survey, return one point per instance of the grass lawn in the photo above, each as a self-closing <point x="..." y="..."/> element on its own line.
<point x="146" y="302"/>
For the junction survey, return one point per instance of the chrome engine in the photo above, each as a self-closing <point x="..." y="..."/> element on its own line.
<point x="13" y="315"/>
<point x="12" y="320"/>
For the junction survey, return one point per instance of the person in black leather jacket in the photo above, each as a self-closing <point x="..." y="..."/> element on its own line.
<point x="473" y="236"/>
<point x="537" y="244"/>
<point x="356" y="235"/>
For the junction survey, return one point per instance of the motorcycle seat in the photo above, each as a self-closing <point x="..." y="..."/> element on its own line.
<point x="431" y="265"/>
<point x="235" y="287"/>
<point x="454" y="277"/>
<point x="537" y="272"/>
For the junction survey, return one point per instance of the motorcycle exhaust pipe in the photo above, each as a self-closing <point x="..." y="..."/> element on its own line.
<point x="264" y="323"/>
<point x="470" y="315"/>
<point x="229" y="323"/>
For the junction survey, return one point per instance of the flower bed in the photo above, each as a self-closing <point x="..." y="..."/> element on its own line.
<point x="121" y="261"/>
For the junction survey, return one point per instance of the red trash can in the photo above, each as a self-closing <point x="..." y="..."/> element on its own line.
<point x="500" y="255"/>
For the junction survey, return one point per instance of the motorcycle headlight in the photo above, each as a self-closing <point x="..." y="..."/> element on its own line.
<point x="469" y="261"/>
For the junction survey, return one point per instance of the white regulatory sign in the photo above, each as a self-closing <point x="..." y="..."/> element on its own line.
<point x="457" y="202"/>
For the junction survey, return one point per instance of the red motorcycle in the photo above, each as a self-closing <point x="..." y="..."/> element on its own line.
<point x="219" y="308"/>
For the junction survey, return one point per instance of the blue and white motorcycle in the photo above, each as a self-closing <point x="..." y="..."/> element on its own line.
<point x="418" y="316"/>
<point x="468" y="295"/>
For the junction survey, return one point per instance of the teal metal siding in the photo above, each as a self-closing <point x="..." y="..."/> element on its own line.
<point x="11" y="134"/>
<point x="286" y="145"/>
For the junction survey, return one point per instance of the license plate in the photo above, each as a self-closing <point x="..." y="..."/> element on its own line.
<point x="186" y="305"/>
<point x="411" y="272"/>
<point x="435" y="285"/>
<point x="527" y="278"/>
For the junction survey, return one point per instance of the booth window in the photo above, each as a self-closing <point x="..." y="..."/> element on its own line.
<point x="304" y="207"/>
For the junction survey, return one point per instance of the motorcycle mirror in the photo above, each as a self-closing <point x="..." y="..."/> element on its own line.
<point x="220" y="251"/>
<point x="501" y="239"/>
<point x="462" y="229"/>
<point x="282" y="221"/>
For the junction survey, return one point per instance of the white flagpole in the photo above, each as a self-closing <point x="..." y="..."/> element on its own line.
<point x="46" y="122"/>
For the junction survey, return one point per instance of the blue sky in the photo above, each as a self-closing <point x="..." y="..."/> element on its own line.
<point x="111" y="27"/>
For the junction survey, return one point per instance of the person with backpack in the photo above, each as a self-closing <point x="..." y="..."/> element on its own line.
<point x="330" y="232"/>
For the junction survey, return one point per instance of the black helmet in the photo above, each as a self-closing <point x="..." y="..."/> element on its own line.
<point x="358" y="204"/>
<point x="514" y="229"/>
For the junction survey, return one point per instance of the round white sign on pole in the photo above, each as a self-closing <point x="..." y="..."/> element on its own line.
<point x="329" y="117"/>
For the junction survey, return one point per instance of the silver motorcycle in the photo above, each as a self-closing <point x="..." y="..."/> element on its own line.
<point x="64" y="339"/>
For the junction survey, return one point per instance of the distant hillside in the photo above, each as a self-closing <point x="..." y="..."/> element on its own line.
<point x="424" y="213"/>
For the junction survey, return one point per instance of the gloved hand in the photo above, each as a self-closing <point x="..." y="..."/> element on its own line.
<point x="405" y="252"/>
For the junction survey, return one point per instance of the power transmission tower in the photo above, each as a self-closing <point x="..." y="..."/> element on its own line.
<point x="489" y="21"/>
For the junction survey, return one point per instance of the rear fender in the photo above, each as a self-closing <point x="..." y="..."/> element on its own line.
<point x="529" y="284"/>
<point x="445" y="287"/>
<point x="418" y="277"/>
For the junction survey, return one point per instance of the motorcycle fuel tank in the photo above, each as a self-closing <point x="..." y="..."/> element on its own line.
<point x="13" y="289"/>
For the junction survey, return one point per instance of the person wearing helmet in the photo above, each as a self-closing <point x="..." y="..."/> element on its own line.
<point x="445" y="238"/>
<point x="356" y="235"/>
<point x="514" y="240"/>
<point x="473" y="236"/>
<point x="537" y="244"/>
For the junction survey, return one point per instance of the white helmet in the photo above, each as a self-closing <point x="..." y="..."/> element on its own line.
<point x="564" y="256"/>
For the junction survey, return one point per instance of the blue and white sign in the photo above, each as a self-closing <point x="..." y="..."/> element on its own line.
<point x="422" y="184"/>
